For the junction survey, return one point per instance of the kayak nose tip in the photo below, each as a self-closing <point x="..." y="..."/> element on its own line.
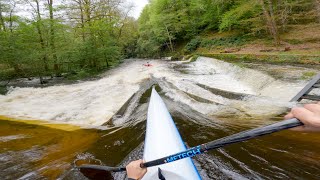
<point x="153" y="89"/>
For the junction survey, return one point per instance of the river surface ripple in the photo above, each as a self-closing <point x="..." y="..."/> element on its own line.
<point x="104" y="120"/>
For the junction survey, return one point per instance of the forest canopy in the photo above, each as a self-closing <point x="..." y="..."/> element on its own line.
<point x="166" y="24"/>
<point x="46" y="37"/>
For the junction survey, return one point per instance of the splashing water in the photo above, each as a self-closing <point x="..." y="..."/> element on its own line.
<point x="95" y="102"/>
<point x="208" y="99"/>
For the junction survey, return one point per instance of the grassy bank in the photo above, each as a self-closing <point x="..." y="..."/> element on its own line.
<point x="300" y="45"/>
<point x="290" y="59"/>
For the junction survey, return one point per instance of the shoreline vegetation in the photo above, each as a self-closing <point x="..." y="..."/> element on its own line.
<point x="282" y="59"/>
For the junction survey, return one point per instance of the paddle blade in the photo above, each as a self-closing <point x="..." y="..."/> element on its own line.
<point x="96" y="174"/>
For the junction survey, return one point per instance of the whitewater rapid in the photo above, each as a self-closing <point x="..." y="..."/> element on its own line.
<point x="93" y="103"/>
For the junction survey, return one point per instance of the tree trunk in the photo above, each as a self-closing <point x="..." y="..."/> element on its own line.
<point x="122" y="26"/>
<point x="82" y="21"/>
<point x="80" y="4"/>
<point x="52" y="37"/>
<point x="16" y="68"/>
<point x="87" y="11"/>
<point x="107" y="62"/>
<point x="10" y="18"/>
<point x="44" y="58"/>
<point x="170" y="40"/>
<point x="270" y="20"/>
<point x="2" y="19"/>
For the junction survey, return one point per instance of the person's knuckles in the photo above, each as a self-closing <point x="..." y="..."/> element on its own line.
<point x="312" y="107"/>
<point x="288" y="116"/>
<point x="296" y="111"/>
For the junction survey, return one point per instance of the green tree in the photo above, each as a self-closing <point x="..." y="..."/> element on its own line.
<point x="239" y="16"/>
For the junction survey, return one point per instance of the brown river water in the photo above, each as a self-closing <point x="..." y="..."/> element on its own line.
<point x="104" y="120"/>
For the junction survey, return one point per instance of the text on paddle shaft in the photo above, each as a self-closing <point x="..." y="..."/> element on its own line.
<point x="192" y="152"/>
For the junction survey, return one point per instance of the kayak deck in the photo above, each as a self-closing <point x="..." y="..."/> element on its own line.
<point x="163" y="139"/>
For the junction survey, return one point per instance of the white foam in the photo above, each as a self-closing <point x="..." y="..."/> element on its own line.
<point x="86" y="103"/>
<point x="93" y="103"/>
<point x="13" y="137"/>
<point x="269" y="96"/>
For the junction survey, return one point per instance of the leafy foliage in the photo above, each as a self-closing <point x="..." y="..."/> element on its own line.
<point x="166" y="24"/>
<point x="84" y="35"/>
<point x="193" y="45"/>
<point x="92" y="36"/>
<point x="226" y="42"/>
<point x="237" y="17"/>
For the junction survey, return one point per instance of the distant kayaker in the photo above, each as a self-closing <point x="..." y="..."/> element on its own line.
<point x="309" y="115"/>
<point x="134" y="171"/>
<point x="147" y="64"/>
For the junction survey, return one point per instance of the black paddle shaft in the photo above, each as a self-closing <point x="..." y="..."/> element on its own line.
<point x="239" y="137"/>
<point x="102" y="168"/>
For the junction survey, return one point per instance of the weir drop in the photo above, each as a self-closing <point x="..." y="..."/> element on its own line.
<point x="44" y="130"/>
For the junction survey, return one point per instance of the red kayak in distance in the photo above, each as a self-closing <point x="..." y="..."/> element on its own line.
<point x="147" y="65"/>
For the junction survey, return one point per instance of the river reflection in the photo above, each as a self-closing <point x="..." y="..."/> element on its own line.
<point x="38" y="152"/>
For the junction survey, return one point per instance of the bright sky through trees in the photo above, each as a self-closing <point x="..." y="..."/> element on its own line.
<point x="139" y="5"/>
<point x="25" y="11"/>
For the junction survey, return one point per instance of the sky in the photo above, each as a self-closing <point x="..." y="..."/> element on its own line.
<point x="139" y="5"/>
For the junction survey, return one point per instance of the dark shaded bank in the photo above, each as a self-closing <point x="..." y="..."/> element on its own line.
<point x="46" y="81"/>
<point x="36" y="82"/>
<point x="3" y="90"/>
